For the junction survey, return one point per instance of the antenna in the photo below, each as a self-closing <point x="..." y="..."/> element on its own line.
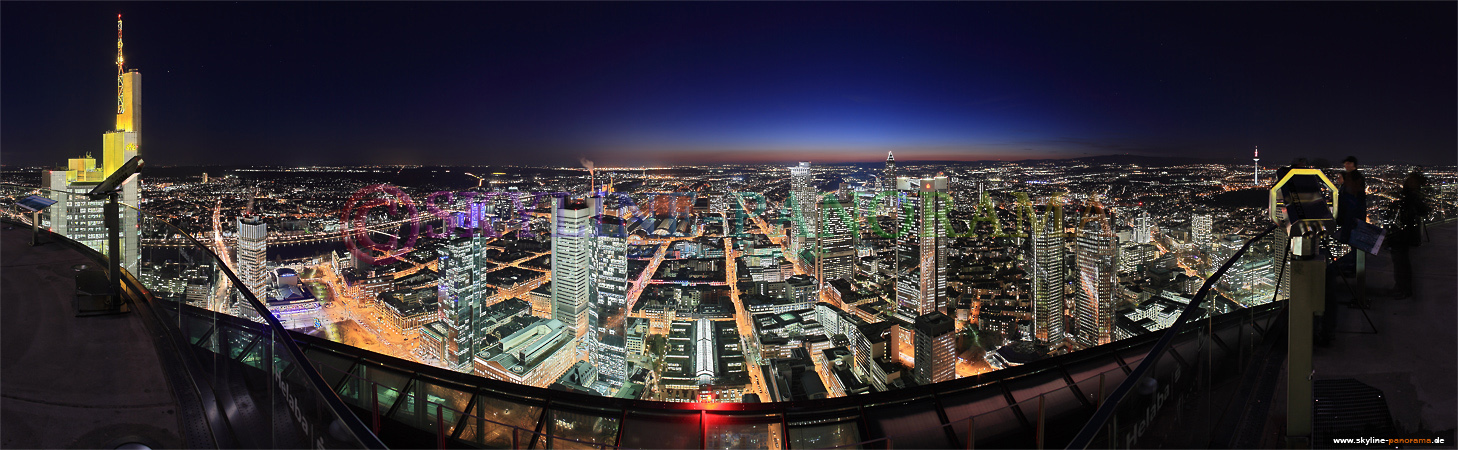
<point x="120" y="61"/>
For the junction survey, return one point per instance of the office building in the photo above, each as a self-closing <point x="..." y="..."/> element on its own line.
<point x="926" y="246"/>
<point x="460" y="289"/>
<point x="1133" y="256"/>
<point x="1048" y="269"/>
<point x="571" y="255"/>
<point x="76" y="214"/>
<point x="1200" y="230"/>
<point x="252" y="254"/>
<point x="608" y="313"/>
<point x="921" y="257"/>
<point x="803" y="206"/>
<point x="835" y="256"/>
<point x="1097" y="282"/>
<point x="1143" y="228"/>
<point x="936" y="348"/>
<point x="536" y="355"/>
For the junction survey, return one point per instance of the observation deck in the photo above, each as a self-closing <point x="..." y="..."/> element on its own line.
<point x="230" y="381"/>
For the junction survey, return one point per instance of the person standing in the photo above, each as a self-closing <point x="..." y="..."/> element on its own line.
<point x="1409" y="209"/>
<point x="1353" y="208"/>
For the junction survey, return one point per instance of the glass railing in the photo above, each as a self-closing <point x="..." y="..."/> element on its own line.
<point x="267" y="395"/>
<point x="1195" y="364"/>
<point x="410" y="404"/>
<point x="1183" y="396"/>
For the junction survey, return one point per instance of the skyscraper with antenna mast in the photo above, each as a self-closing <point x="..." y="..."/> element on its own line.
<point x="76" y="215"/>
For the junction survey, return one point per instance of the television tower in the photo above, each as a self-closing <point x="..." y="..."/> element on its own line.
<point x="1258" y="165"/>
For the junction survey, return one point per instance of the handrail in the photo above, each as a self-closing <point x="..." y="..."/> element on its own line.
<point x="549" y="399"/>
<point x="316" y="382"/>
<point x="1106" y="410"/>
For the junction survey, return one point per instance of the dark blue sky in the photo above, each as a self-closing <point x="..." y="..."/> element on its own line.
<point x="634" y="83"/>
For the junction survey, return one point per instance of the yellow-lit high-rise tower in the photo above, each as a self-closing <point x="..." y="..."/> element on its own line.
<point x="77" y="216"/>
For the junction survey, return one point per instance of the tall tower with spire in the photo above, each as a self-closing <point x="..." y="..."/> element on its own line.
<point x="1258" y="165"/>
<point x="77" y="216"/>
<point x="120" y="145"/>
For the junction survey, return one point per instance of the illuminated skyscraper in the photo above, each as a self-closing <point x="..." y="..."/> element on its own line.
<point x="609" y="312"/>
<point x="571" y="254"/>
<point x="82" y="174"/>
<point x="927" y="245"/>
<point x="252" y="254"/>
<point x="803" y="207"/>
<point x="921" y="287"/>
<point x="936" y="348"/>
<point x="121" y="145"/>
<point x="1143" y="228"/>
<point x="1097" y="282"/>
<point x="462" y="269"/>
<point x="1048" y="271"/>
<point x="1200" y="230"/>
<point x="75" y="214"/>
<point x="836" y="252"/>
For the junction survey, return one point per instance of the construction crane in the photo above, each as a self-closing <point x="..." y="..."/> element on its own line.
<point x="479" y="180"/>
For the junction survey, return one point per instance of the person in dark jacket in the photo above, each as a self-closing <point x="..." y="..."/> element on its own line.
<point x="1353" y="208"/>
<point x="1409" y="209"/>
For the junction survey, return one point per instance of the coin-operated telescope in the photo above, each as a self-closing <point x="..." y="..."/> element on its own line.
<point x="1299" y="206"/>
<point x="113" y="302"/>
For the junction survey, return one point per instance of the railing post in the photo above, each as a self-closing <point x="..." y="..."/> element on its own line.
<point x="514" y="442"/>
<point x="1040" y="422"/>
<point x="440" y="437"/>
<point x="971" y="433"/>
<point x="375" y="405"/>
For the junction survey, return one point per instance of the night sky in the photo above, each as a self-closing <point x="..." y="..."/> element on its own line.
<point x="649" y="83"/>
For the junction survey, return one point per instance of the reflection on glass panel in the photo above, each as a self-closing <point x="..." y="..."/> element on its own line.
<point x="914" y="425"/>
<point x="390" y="378"/>
<point x="409" y="409"/>
<point x="384" y="397"/>
<point x="349" y="387"/>
<point x="494" y="418"/>
<point x="198" y="331"/>
<point x="254" y="357"/>
<point x="990" y="413"/>
<point x="822" y="435"/>
<point x="743" y="432"/>
<point x="681" y="430"/>
<point x="581" y="426"/>
<point x="236" y="341"/>
<point x="451" y="400"/>
<point x="1091" y="388"/>
<point x="331" y="365"/>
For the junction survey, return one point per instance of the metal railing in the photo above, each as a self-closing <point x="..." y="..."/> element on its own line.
<point x="272" y="399"/>
<point x="250" y="358"/>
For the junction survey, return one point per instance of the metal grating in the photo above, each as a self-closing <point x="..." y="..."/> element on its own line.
<point x="1347" y="408"/>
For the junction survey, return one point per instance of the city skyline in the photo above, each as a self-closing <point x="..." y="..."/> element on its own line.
<point x="632" y="84"/>
<point x="669" y="225"/>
